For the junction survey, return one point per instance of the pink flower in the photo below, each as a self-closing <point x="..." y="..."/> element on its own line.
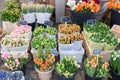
<point x="5" y="55"/>
<point x="6" y="64"/>
<point x="17" y="61"/>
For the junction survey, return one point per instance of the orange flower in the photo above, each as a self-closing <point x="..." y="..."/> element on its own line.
<point x="79" y="7"/>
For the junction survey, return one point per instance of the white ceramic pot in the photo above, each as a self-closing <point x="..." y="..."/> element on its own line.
<point x="45" y="75"/>
<point x="48" y="15"/>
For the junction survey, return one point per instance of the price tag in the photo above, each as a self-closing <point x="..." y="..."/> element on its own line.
<point x="97" y="51"/>
<point x="48" y="23"/>
<point x="91" y="22"/>
<point x="65" y="19"/>
<point x="22" y="22"/>
<point x="54" y="52"/>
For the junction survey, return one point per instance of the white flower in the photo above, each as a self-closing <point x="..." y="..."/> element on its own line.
<point x="71" y="4"/>
<point x="114" y="59"/>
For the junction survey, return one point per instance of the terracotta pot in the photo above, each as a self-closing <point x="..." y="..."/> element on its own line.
<point x="45" y="75"/>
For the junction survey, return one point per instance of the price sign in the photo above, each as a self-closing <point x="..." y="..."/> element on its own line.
<point x="22" y="22"/>
<point x="65" y="19"/>
<point x="48" y="23"/>
<point x="54" y="52"/>
<point x="97" y="51"/>
<point x="91" y="22"/>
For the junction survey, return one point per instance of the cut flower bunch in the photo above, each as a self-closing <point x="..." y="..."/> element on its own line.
<point x="95" y="68"/>
<point x="12" y="63"/>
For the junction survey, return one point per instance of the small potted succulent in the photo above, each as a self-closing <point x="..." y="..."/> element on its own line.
<point x="48" y="12"/>
<point x="14" y="64"/>
<point x="44" y="64"/>
<point x="67" y="68"/>
<point x="94" y="68"/>
<point x="10" y="14"/>
<point x="40" y="13"/>
<point x="28" y="14"/>
<point x="111" y="42"/>
<point x="97" y="41"/>
<point x="51" y="32"/>
<point x="114" y="65"/>
<point x="39" y="31"/>
<point x="66" y="42"/>
<point x="78" y="40"/>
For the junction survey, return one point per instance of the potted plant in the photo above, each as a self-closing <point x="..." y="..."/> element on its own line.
<point x="14" y="64"/>
<point x="40" y="13"/>
<point x="83" y="11"/>
<point x="44" y="64"/>
<point x="67" y="68"/>
<point x="28" y="14"/>
<point x="51" y="32"/>
<point x="10" y="15"/>
<point x="94" y="68"/>
<point x="78" y="40"/>
<point x="48" y="12"/>
<point x="66" y="42"/>
<point x="97" y="41"/>
<point x="114" y="65"/>
<point x="39" y="31"/>
<point x="111" y="42"/>
<point x="115" y="9"/>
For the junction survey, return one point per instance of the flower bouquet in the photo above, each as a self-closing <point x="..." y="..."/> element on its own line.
<point x="39" y="31"/>
<point x="114" y="65"/>
<point x="115" y="11"/>
<point x="84" y="11"/>
<point x="94" y="68"/>
<point x="111" y="42"/>
<point x="44" y="64"/>
<point x="67" y="68"/>
<point x="13" y="64"/>
<point x="66" y="42"/>
<point x="51" y="32"/>
<point x="97" y="41"/>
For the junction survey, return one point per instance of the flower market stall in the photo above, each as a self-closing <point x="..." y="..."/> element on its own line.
<point x="78" y="47"/>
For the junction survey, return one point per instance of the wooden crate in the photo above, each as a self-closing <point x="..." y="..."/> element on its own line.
<point x="105" y="54"/>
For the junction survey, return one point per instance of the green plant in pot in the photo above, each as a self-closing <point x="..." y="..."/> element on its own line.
<point x="97" y="41"/>
<point x="39" y="31"/>
<point x="67" y="68"/>
<point x="115" y="65"/>
<point x="94" y="68"/>
<point x="111" y="42"/>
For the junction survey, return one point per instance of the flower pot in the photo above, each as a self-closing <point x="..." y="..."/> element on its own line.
<point x="113" y="75"/>
<point x="108" y="47"/>
<point x="77" y="45"/>
<point x="65" y="47"/>
<point x="29" y="17"/>
<point x="44" y="75"/>
<point x="48" y="15"/>
<point x="87" y="34"/>
<point x="41" y="18"/>
<point x="87" y="77"/>
<point x="115" y="17"/>
<point x="80" y="18"/>
<point x="34" y="52"/>
<point x="60" y="77"/>
<point x="4" y="75"/>
<point x="8" y="26"/>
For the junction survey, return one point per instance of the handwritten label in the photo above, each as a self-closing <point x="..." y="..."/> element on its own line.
<point x="65" y="19"/>
<point x="48" y="23"/>
<point x="91" y="22"/>
<point x="97" y="51"/>
<point x="22" y="22"/>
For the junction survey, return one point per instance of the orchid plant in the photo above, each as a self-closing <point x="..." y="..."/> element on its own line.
<point x="12" y="63"/>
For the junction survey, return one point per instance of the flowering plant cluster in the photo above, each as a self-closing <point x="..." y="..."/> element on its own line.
<point x="78" y="37"/>
<point x="21" y="30"/>
<point x="12" y="63"/>
<point x="94" y="66"/>
<point x="38" y="31"/>
<point x="114" y="61"/>
<point x="67" y="67"/>
<point x="11" y="12"/>
<point x="114" y="4"/>
<point x="85" y="6"/>
<point x="45" y="61"/>
<point x="51" y="30"/>
<point x="11" y="42"/>
<point x="68" y="28"/>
